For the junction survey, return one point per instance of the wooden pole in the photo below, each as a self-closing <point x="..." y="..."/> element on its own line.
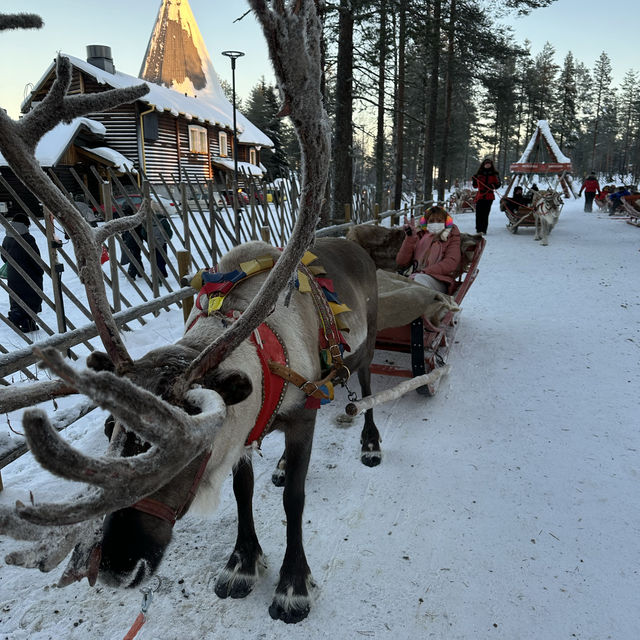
<point x="356" y="408"/>
<point x="185" y="218"/>
<point x="376" y="214"/>
<point x="56" y="271"/>
<point x="184" y="264"/>
<point x="265" y="234"/>
<point x="105" y="188"/>
<point x="212" y="222"/>
<point x="151" y="243"/>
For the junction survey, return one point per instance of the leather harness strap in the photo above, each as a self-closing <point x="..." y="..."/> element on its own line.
<point x="163" y="511"/>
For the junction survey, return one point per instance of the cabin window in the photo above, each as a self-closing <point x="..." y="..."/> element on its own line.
<point x="222" y="141"/>
<point x="150" y="126"/>
<point x="253" y="156"/>
<point x="197" y="139"/>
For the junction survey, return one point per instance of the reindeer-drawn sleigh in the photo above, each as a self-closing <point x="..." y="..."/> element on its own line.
<point x="462" y="201"/>
<point x="631" y="206"/>
<point x="428" y="338"/>
<point x="521" y="216"/>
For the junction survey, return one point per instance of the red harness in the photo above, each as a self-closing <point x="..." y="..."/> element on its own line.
<point x="269" y="348"/>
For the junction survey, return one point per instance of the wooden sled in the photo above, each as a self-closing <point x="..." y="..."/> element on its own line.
<point x="630" y="209"/>
<point x="521" y="217"/>
<point x="427" y="344"/>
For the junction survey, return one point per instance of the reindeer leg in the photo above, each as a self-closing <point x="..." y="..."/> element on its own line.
<point x="370" y="437"/>
<point x="241" y="571"/>
<point x="277" y="477"/>
<point x="545" y="233"/>
<point x="291" y="602"/>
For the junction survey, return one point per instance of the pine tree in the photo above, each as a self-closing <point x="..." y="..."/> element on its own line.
<point x="602" y="84"/>
<point x="566" y="113"/>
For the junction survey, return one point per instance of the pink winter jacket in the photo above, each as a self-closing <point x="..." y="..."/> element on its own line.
<point x="437" y="258"/>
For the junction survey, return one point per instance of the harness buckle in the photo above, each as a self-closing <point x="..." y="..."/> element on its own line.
<point x="335" y="352"/>
<point x="307" y="384"/>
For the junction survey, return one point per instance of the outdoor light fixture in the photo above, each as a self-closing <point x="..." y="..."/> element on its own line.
<point x="234" y="55"/>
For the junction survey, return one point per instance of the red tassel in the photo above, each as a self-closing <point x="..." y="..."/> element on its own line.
<point x="104" y="256"/>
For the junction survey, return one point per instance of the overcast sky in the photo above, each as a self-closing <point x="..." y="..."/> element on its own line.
<point x="585" y="27"/>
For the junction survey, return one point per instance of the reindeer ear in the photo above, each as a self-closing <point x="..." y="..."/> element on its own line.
<point x="234" y="386"/>
<point x="100" y="361"/>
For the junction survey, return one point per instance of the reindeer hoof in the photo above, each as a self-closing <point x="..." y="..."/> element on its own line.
<point x="237" y="579"/>
<point x="371" y="458"/>
<point x="277" y="477"/>
<point x="291" y="614"/>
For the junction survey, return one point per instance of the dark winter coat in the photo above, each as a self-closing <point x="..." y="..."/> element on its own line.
<point x="29" y="265"/>
<point x="486" y="181"/>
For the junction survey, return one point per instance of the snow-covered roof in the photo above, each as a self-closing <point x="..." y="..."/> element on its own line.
<point x="545" y="130"/>
<point x="120" y="162"/>
<point x="214" y="110"/>
<point x="246" y="167"/>
<point x="54" y="143"/>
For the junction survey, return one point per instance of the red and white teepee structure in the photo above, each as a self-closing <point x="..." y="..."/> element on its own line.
<point x="542" y="160"/>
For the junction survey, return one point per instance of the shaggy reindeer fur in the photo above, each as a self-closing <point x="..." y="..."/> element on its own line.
<point x="381" y="243"/>
<point x="134" y="542"/>
<point x="546" y="211"/>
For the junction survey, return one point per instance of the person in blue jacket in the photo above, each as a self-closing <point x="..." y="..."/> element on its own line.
<point x="615" y="199"/>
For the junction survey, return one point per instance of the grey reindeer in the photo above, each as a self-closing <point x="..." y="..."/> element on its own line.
<point x="120" y="525"/>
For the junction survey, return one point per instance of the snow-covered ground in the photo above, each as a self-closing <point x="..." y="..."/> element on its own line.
<point x="505" y="507"/>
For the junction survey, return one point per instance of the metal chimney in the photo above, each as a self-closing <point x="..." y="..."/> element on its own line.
<point x="99" y="55"/>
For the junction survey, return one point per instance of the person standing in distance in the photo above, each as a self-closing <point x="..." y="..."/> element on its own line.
<point x="590" y="187"/>
<point x="486" y="180"/>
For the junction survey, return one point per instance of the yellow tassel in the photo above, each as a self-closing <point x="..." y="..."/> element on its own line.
<point x="255" y="266"/>
<point x="338" y="308"/>
<point x="308" y="258"/>
<point x="304" y="286"/>
<point x="318" y="270"/>
<point x="215" y="303"/>
<point x="196" y="281"/>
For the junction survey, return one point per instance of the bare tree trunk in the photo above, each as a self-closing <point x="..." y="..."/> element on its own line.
<point x="399" y="160"/>
<point x="430" y="135"/>
<point x="343" y="140"/>
<point x="447" y="106"/>
<point x="325" y="211"/>
<point x="382" y="53"/>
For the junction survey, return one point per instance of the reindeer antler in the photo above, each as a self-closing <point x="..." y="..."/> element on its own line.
<point x="18" y="140"/>
<point x="292" y="27"/>
<point x="120" y="481"/>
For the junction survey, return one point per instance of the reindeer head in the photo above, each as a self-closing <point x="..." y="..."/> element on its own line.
<point x="134" y="538"/>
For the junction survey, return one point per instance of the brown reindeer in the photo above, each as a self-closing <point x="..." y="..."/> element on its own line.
<point x="182" y="414"/>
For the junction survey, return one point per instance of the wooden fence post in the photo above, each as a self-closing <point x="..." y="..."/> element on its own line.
<point x="212" y="222"/>
<point x="56" y="271"/>
<point x="265" y="234"/>
<point x="185" y="217"/>
<point x="376" y="213"/>
<point x="105" y="189"/>
<point x="347" y="213"/>
<point x="184" y="264"/>
<point x="151" y="243"/>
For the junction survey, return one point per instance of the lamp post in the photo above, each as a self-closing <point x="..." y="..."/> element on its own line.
<point x="234" y="55"/>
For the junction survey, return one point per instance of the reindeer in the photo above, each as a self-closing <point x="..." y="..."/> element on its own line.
<point x="182" y="414"/>
<point x="547" y="206"/>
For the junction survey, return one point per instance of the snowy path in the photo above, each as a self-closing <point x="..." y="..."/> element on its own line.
<point x="505" y="507"/>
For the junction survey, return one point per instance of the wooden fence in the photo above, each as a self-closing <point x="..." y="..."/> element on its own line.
<point x="203" y="228"/>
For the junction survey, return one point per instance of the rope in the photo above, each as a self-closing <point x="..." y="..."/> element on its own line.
<point x="135" y="627"/>
<point x="147" y="596"/>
